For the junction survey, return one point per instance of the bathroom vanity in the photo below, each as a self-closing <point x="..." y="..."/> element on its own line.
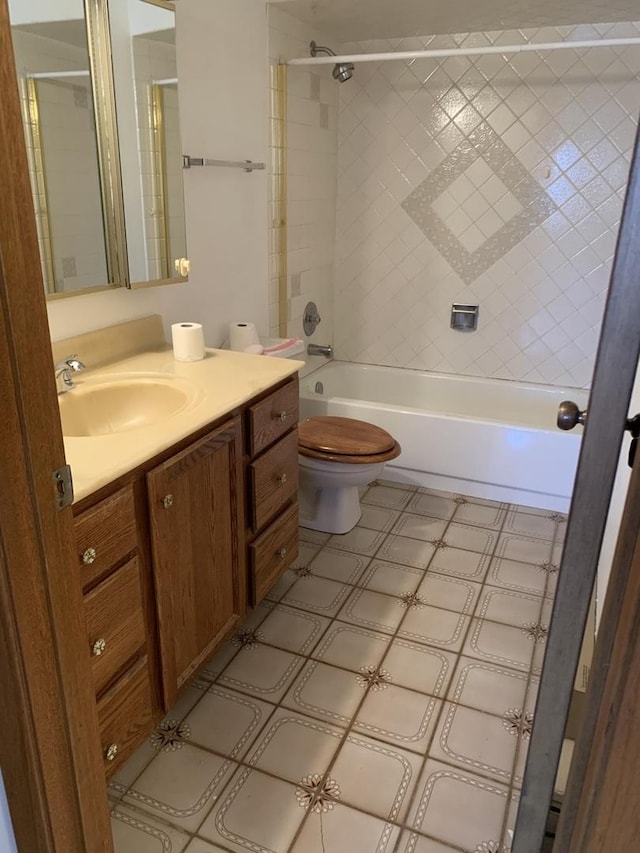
<point x="172" y="550"/>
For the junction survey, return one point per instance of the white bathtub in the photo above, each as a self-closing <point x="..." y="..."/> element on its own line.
<point x="488" y="438"/>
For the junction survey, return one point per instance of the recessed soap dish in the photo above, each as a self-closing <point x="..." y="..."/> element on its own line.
<point x="464" y="318"/>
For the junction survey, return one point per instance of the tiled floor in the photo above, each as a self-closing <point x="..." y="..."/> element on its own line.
<point x="380" y="699"/>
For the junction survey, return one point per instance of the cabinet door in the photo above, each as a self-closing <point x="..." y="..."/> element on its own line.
<point x="196" y="513"/>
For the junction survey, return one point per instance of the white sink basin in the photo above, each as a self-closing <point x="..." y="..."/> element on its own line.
<point x="119" y="406"/>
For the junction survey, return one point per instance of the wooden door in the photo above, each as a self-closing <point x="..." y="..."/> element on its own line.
<point x="601" y="809"/>
<point x="50" y="745"/>
<point x="197" y="525"/>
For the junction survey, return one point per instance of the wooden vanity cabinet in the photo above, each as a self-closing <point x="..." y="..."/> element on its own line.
<point x="196" y="523"/>
<point x="170" y="555"/>
<point x="272" y="487"/>
<point x="118" y="609"/>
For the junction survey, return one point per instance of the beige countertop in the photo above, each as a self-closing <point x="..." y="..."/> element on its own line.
<point x="215" y="386"/>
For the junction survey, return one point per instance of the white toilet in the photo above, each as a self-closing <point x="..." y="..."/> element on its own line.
<point x="336" y="456"/>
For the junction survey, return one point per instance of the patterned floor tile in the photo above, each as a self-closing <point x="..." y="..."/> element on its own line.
<point x="376" y="777"/>
<point x="525" y="524"/>
<point x="261" y="671"/>
<point x="326" y="693"/>
<point x="293" y="746"/>
<point x="460" y="564"/>
<point x="449" y="593"/>
<point x="180" y="785"/>
<point x="470" y="538"/>
<point x="419" y="667"/>
<point x="134" y="832"/>
<point x="398" y="716"/>
<point x="503" y="644"/>
<point x="421" y="527"/>
<point x="296" y="630"/>
<point x="475" y="741"/>
<point x="257" y="813"/>
<point x="281" y="586"/>
<point x="372" y="610"/>
<point x="445" y="794"/>
<point x="521" y="577"/>
<point x="197" y="845"/>
<point x="352" y="647"/>
<point x="524" y="549"/>
<point x="378" y="517"/>
<point x="391" y="578"/>
<point x="337" y="565"/>
<point x="411" y="842"/>
<point x="509" y="607"/>
<point x="360" y="540"/>
<point x="434" y="504"/>
<point x="481" y="515"/>
<point x="340" y="829"/>
<point x="407" y="552"/>
<point x="387" y="496"/>
<point x="434" y="626"/>
<point x="227" y="722"/>
<point x="319" y="595"/>
<point x="487" y="687"/>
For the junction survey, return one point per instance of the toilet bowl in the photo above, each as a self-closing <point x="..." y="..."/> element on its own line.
<point x="336" y="456"/>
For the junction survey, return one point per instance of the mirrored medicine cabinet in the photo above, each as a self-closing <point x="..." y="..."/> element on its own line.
<point x="99" y="93"/>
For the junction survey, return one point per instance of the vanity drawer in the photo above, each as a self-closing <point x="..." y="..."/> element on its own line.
<point x="125" y="716"/>
<point x="274" y="479"/>
<point x="272" y="417"/>
<point x="115" y="623"/>
<point x="105" y="534"/>
<point x="273" y="552"/>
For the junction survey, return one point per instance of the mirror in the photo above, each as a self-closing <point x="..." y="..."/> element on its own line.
<point x="55" y="75"/>
<point x="149" y="131"/>
<point x="100" y="107"/>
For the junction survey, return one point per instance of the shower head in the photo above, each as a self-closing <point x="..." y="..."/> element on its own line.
<point x="341" y="70"/>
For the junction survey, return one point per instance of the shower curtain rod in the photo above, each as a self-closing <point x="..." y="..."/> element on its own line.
<point x="461" y="51"/>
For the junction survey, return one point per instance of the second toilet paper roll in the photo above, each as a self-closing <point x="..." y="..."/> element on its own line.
<point x="242" y="335"/>
<point x="188" y="341"/>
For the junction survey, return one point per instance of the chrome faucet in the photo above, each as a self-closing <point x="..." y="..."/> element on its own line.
<point x="64" y="370"/>
<point x="320" y="349"/>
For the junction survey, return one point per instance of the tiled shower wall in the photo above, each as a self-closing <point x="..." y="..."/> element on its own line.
<point x="491" y="180"/>
<point x="312" y="114"/>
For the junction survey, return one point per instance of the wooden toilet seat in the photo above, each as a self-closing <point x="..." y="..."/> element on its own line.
<point x="345" y="440"/>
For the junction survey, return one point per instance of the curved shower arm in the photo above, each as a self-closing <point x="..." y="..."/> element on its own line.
<point x="315" y="49"/>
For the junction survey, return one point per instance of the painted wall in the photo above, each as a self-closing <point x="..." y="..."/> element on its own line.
<point x="489" y="180"/>
<point x="224" y="115"/>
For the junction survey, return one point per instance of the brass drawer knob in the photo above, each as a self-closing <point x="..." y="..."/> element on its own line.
<point x="283" y="416"/>
<point x="167" y="501"/>
<point x="282" y="479"/>
<point x="111" y="751"/>
<point x="89" y="556"/>
<point x="98" y="647"/>
<point x="282" y="553"/>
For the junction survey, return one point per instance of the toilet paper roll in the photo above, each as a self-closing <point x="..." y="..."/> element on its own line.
<point x="242" y="335"/>
<point x="188" y="341"/>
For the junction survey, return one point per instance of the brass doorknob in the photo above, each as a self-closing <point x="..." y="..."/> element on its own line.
<point x="569" y="415"/>
<point x="282" y="553"/>
<point x="282" y="479"/>
<point x="167" y="501"/>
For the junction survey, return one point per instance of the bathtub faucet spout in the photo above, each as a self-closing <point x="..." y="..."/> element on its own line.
<point x="320" y="349"/>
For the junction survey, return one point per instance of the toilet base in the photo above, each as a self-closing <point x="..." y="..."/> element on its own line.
<point x="329" y="493"/>
<point x="330" y="510"/>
